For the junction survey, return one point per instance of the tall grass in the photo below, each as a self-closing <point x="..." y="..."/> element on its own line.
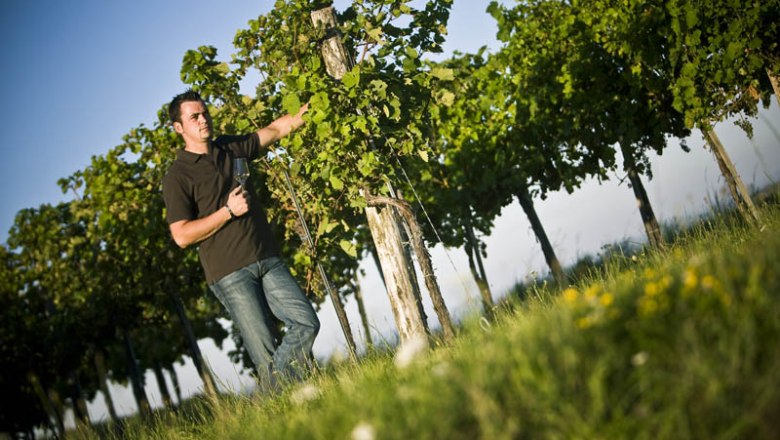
<point x="682" y="343"/>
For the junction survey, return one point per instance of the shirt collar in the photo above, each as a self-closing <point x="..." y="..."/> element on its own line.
<point x="191" y="157"/>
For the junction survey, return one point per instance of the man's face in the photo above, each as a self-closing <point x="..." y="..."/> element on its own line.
<point x="195" y="125"/>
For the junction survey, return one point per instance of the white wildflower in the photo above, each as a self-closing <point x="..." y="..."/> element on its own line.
<point x="338" y="356"/>
<point x="305" y="393"/>
<point x="363" y="431"/>
<point x="404" y="392"/>
<point x="639" y="359"/>
<point x="441" y="369"/>
<point x="410" y="350"/>
<point x="485" y="325"/>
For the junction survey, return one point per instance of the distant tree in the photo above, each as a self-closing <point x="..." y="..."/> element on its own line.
<point x="138" y="256"/>
<point x="718" y="59"/>
<point x="579" y="99"/>
<point x="49" y="245"/>
<point x="25" y="403"/>
<point x="475" y="172"/>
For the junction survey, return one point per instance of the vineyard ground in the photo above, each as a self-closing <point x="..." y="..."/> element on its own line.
<point x="680" y="343"/>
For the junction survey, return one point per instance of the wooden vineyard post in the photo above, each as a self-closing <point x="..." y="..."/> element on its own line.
<point x="337" y="61"/>
<point x="383" y="219"/>
<point x="384" y="225"/>
<point x="423" y="258"/>
<point x="739" y="192"/>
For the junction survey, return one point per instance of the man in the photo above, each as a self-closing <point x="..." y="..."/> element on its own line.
<point x="237" y="250"/>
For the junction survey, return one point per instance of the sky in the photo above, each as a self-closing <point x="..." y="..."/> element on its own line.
<point x="79" y="75"/>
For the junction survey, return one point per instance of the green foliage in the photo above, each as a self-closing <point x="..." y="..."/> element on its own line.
<point x="680" y="345"/>
<point x="95" y="266"/>
<point x="355" y="127"/>
<point x="580" y="93"/>
<point x="471" y="174"/>
<point x="21" y="342"/>
<point x="104" y="264"/>
<point x="714" y="56"/>
<point x="541" y="114"/>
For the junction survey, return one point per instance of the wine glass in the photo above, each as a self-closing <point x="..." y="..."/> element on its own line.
<point x="240" y="170"/>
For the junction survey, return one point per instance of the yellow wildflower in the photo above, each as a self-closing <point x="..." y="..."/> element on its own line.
<point x="708" y="282"/>
<point x="725" y="298"/>
<point x="592" y="292"/>
<point x="690" y="280"/>
<point x="570" y="295"/>
<point x="585" y="322"/>
<point x="647" y="306"/>
<point x="652" y="289"/>
<point x="606" y="299"/>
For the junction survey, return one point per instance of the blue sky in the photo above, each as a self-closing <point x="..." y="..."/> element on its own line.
<point x="78" y="75"/>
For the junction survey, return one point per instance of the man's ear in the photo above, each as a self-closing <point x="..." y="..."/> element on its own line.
<point x="177" y="127"/>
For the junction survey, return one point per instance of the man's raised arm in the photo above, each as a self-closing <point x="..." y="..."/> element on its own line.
<point x="281" y="127"/>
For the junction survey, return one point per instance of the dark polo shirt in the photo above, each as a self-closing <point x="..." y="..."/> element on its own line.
<point x="197" y="185"/>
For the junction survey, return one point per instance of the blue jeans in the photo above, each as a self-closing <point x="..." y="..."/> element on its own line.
<point x="250" y="295"/>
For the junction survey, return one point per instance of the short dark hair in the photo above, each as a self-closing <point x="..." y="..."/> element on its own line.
<point x="174" y="108"/>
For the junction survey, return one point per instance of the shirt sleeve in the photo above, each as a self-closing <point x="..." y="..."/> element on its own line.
<point x="178" y="200"/>
<point x="242" y="146"/>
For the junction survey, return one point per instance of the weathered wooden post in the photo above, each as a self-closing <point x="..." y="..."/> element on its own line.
<point x="337" y="61"/>
<point x="382" y="221"/>
<point x="739" y="191"/>
<point x="424" y="259"/>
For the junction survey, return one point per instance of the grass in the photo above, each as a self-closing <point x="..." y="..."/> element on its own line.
<point x="682" y="343"/>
